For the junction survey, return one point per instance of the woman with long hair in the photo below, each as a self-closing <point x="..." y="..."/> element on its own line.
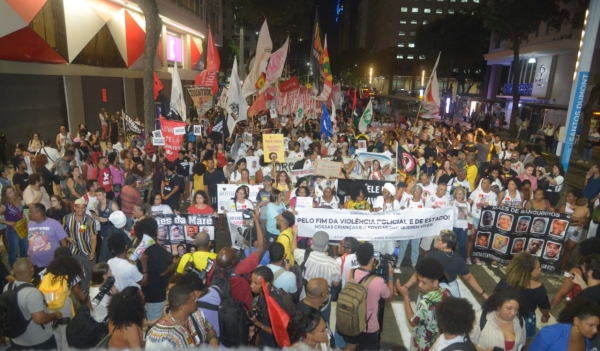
<point x="88" y="168"/>
<point x="308" y="331"/>
<point x="126" y="319"/>
<point x="157" y="175"/>
<point x="511" y="196"/>
<point x="11" y="208"/>
<point x="75" y="185"/>
<point x="500" y="322"/>
<point x="358" y="201"/>
<point x="117" y="173"/>
<point x="577" y="206"/>
<point x="522" y="273"/>
<point x="239" y="203"/>
<point x="556" y="178"/>
<point x="137" y="155"/>
<point x="283" y="183"/>
<point x="220" y="155"/>
<point x="274" y="209"/>
<point x="538" y="202"/>
<point x="375" y="172"/>
<point x="35" y="143"/>
<point x="577" y="325"/>
<point x="142" y="180"/>
<point x="58" y="209"/>
<point x="462" y="212"/>
<point x="158" y="208"/>
<point x="445" y="173"/>
<point x="246" y="180"/>
<point x="125" y="155"/>
<point x="201" y="204"/>
<point x="40" y="161"/>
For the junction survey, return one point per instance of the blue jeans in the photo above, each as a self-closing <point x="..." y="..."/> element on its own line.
<point x="414" y="250"/>
<point x="14" y="243"/>
<point x="587" y="154"/>
<point x="461" y="235"/>
<point x="154" y="310"/>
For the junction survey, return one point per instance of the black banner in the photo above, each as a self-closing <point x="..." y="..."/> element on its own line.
<point x="505" y="231"/>
<point x="349" y="188"/>
<point x="176" y="233"/>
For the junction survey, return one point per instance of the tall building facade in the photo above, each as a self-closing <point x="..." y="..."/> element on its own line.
<point x="63" y="60"/>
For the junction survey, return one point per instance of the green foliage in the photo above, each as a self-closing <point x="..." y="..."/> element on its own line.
<point x="462" y="40"/>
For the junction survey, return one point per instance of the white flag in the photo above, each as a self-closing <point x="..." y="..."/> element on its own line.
<point x="430" y="107"/>
<point x="365" y="120"/>
<point x="276" y="64"/>
<point x="177" y="98"/>
<point x="300" y="111"/>
<point x="236" y="103"/>
<point x="264" y="47"/>
<point x="223" y="99"/>
<point x="333" y="121"/>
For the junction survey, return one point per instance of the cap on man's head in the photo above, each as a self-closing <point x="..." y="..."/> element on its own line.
<point x="267" y="178"/>
<point x="320" y="241"/>
<point x="80" y="201"/>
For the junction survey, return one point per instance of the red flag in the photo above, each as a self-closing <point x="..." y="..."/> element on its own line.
<point x="208" y="78"/>
<point x="173" y="139"/>
<point x="158" y="86"/>
<point x="213" y="62"/>
<point x="258" y="106"/>
<point x="354" y="101"/>
<point x="279" y="318"/>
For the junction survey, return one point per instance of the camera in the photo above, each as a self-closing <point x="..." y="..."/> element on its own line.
<point x="202" y="274"/>
<point x="61" y="321"/>
<point x="254" y="313"/>
<point x="382" y="267"/>
<point x="104" y="289"/>
<point x="247" y="215"/>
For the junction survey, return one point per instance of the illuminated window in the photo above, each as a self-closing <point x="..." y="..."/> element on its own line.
<point x="401" y="44"/>
<point x="415" y="9"/>
<point x="425" y="22"/>
<point x="439" y="11"/>
<point x="403" y="21"/>
<point x="402" y="33"/>
<point x="464" y="0"/>
<point x="399" y="56"/>
<point x="421" y="57"/>
<point x="450" y="11"/>
<point x="411" y="45"/>
<point x="412" y="33"/>
<point x="414" y="21"/>
<point x="404" y="9"/>
<point x="427" y="10"/>
<point x="410" y="57"/>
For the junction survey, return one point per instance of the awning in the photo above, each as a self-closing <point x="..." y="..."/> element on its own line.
<point x="547" y="106"/>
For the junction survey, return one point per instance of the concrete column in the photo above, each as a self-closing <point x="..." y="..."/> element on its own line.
<point x="74" y="101"/>
<point x="130" y="97"/>
<point x="494" y="81"/>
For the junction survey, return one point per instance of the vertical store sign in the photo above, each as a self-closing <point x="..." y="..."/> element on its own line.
<point x="174" y="48"/>
<point x="104" y="98"/>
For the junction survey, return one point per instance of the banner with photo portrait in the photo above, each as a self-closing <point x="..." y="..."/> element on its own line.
<point x="226" y="192"/>
<point x="176" y="233"/>
<point x="505" y="231"/>
<point x="239" y="229"/>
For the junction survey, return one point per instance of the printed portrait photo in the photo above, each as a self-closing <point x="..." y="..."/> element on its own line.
<point x="162" y="235"/>
<point x="523" y="224"/>
<point x="558" y="227"/>
<point x="487" y="218"/>
<point x="500" y="243"/>
<point x="190" y="233"/>
<point x="552" y="251"/>
<point x="178" y="249"/>
<point x="539" y="225"/>
<point x="483" y="239"/>
<point x="534" y="247"/>
<point x="518" y="245"/>
<point x="176" y="234"/>
<point x="505" y="221"/>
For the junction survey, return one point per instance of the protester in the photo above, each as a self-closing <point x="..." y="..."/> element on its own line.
<point x="308" y="331"/>
<point x="455" y="319"/>
<point x="126" y="318"/>
<point x="12" y="211"/>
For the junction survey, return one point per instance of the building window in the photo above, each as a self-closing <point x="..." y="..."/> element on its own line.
<point x="404" y="9"/>
<point x="439" y="11"/>
<point x="421" y="57"/>
<point x="464" y="0"/>
<point x="403" y="21"/>
<point x="399" y="56"/>
<point x="476" y="1"/>
<point x="450" y="11"/>
<point x="410" y="57"/>
<point x="425" y="22"/>
<point x="413" y="33"/>
<point x="414" y="21"/>
<point x="415" y="9"/>
<point x="426" y="10"/>
<point x="401" y="44"/>
<point x="402" y="33"/>
<point x="411" y="45"/>
<point x="452" y="0"/>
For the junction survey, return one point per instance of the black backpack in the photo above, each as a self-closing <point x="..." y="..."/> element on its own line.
<point x="12" y="322"/>
<point x="233" y="323"/>
<point x="83" y="332"/>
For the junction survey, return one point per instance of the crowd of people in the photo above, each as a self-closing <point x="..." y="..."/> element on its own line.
<point x="76" y="211"/>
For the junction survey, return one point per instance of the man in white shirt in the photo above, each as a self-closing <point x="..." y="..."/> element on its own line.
<point x="125" y="273"/>
<point x="482" y="197"/>
<point x="459" y="180"/>
<point x="304" y="140"/>
<point x="429" y="188"/>
<point x="51" y="153"/>
<point x="296" y="153"/>
<point x="515" y="164"/>
<point x="347" y="259"/>
<point x="437" y="200"/>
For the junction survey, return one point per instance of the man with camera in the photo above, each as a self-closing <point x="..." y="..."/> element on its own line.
<point x="377" y="289"/>
<point x="198" y="259"/>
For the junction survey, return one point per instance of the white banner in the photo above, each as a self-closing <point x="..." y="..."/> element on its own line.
<point x="396" y="225"/>
<point x="226" y="192"/>
<point x="237" y="229"/>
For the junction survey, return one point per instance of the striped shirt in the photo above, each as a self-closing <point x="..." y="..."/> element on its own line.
<point x="318" y="265"/>
<point x="81" y="233"/>
<point x="167" y="335"/>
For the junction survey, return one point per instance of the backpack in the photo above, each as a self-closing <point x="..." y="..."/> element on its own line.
<point x="299" y="283"/>
<point x="12" y="322"/>
<point x="233" y="323"/>
<point x="83" y="332"/>
<point x="55" y="294"/>
<point x="466" y="345"/>
<point x="351" y="312"/>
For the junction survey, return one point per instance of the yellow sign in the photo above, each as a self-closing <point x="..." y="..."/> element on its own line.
<point x="273" y="147"/>
<point x="21" y="228"/>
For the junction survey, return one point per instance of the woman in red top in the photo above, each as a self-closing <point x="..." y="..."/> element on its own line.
<point x="201" y="205"/>
<point x="221" y="155"/>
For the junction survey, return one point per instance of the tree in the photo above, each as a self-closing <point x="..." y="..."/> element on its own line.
<point x="514" y="20"/>
<point x="153" y="29"/>
<point x="461" y="41"/>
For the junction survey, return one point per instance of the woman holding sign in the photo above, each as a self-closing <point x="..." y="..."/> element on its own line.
<point x="10" y="207"/>
<point x="284" y="184"/>
<point x="240" y="202"/>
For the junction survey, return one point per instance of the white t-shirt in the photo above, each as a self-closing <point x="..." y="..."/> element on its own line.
<point x="259" y="152"/>
<point x="441" y="342"/>
<point x="234" y="206"/>
<point x="433" y="200"/>
<point x="52" y="154"/>
<point x="455" y="183"/>
<point x="461" y="213"/>
<point x="294" y="154"/>
<point x="161" y="210"/>
<point x="479" y="198"/>
<point x="349" y="262"/>
<point x="125" y="273"/>
<point x="333" y="203"/>
<point x="331" y="149"/>
<point x="428" y="190"/>
<point x="559" y="184"/>
<point x="305" y="142"/>
<point x="379" y="203"/>
<point x="101" y="311"/>
<point x="235" y="176"/>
